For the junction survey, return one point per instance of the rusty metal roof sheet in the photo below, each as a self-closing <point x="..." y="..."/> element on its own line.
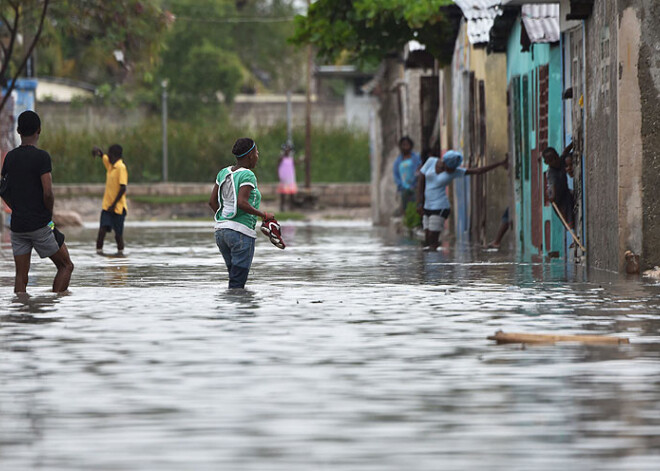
<point x="480" y="15"/>
<point x="541" y="22"/>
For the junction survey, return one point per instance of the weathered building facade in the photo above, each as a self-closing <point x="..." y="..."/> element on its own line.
<point x="408" y="90"/>
<point x="530" y="36"/>
<point x="596" y="85"/>
<point x="612" y="68"/>
<point x="461" y="105"/>
<point x="575" y="71"/>
<point x="477" y="110"/>
<point x="622" y="114"/>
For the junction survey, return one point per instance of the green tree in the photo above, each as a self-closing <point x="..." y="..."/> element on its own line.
<point x="264" y="48"/>
<point x="122" y="37"/>
<point x="20" y="22"/>
<point x="199" y="58"/>
<point x="207" y="70"/>
<point x="251" y="38"/>
<point x="102" y="42"/>
<point x="126" y="47"/>
<point x="371" y="29"/>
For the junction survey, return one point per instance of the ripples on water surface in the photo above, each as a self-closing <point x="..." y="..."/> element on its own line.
<point x="352" y="351"/>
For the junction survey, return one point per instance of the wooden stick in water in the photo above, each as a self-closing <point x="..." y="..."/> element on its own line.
<point x="568" y="228"/>
<point x="519" y="337"/>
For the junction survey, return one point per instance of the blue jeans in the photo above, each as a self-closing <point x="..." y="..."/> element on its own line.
<point x="237" y="249"/>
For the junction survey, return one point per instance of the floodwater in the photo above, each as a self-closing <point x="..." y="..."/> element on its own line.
<point x="352" y="350"/>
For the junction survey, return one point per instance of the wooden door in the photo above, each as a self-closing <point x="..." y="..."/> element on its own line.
<point x="515" y="139"/>
<point x="537" y="177"/>
<point x="429" y="102"/>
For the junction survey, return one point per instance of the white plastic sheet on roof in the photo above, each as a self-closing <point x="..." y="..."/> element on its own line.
<point x="541" y="22"/>
<point x="480" y="15"/>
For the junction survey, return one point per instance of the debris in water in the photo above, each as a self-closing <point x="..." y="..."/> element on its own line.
<point x="524" y="338"/>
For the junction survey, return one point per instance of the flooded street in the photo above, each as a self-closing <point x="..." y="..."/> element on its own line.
<point x="352" y="350"/>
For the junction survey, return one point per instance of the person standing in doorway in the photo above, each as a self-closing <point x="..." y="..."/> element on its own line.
<point x="286" y="171"/>
<point x="235" y="200"/>
<point x="433" y="203"/>
<point x="31" y="199"/>
<point x="405" y="170"/>
<point x="113" y="213"/>
<point x="557" y="187"/>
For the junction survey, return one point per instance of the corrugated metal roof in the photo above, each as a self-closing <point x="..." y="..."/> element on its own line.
<point x="477" y="8"/>
<point x="541" y="22"/>
<point x="480" y="15"/>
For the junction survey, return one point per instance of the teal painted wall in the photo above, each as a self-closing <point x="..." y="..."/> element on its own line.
<point x="519" y="63"/>
<point x="555" y="129"/>
<point x="525" y="66"/>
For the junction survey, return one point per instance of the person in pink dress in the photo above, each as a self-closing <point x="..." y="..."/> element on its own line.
<point x="286" y="170"/>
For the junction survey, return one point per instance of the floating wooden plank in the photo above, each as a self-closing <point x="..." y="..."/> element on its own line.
<point x="519" y="337"/>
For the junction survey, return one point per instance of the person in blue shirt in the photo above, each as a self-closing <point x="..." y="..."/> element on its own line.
<point x="432" y="199"/>
<point x="405" y="171"/>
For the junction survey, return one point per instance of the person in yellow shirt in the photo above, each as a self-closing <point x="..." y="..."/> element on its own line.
<point x="113" y="213"/>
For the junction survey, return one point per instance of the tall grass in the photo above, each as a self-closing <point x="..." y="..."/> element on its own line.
<point x="199" y="149"/>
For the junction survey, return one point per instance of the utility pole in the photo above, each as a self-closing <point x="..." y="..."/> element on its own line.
<point x="164" y="84"/>
<point x="308" y="117"/>
<point x="289" y="113"/>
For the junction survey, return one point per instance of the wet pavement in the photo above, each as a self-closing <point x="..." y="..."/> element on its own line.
<point x="352" y="350"/>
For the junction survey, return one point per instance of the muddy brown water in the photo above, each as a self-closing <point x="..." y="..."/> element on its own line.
<point x="352" y="350"/>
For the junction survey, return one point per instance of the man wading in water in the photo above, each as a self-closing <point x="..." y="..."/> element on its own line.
<point x="30" y="197"/>
<point x="113" y="212"/>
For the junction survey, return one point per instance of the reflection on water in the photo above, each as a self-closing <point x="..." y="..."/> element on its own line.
<point x="115" y="275"/>
<point x="23" y="307"/>
<point x="351" y="349"/>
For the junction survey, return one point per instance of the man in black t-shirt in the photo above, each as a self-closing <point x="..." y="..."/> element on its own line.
<point x="30" y="197"/>
<point x="557" y="188"/>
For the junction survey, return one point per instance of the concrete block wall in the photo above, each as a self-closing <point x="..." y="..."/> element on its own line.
<point x="340" y="195"/>
<point x="253" y="115"/>
<point x="649" y="86"/>
<point x="601" y="161"/>
<point x="623" y="110"/>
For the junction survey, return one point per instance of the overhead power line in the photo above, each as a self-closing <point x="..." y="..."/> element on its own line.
<point x="284" y="19"/>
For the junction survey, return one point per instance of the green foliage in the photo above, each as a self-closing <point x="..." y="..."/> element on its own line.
<point x="207" y="70"/>
<point x="371" y="29"/>
<point x="201" y="46"/>
<point x="113" y="95"/>
<point x="338" y="155"/>
<point x="411" y="218"/>
<point x="197" y="60"/>
<point x="80" y="37"/>
<point x="209" y="50"/>
<point x="336" y="87"/>
<point x="198" y="149"/>
<point x="264" y="48"/>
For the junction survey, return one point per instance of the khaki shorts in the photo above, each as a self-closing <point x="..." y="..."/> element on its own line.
<point x="42" y="240"/>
